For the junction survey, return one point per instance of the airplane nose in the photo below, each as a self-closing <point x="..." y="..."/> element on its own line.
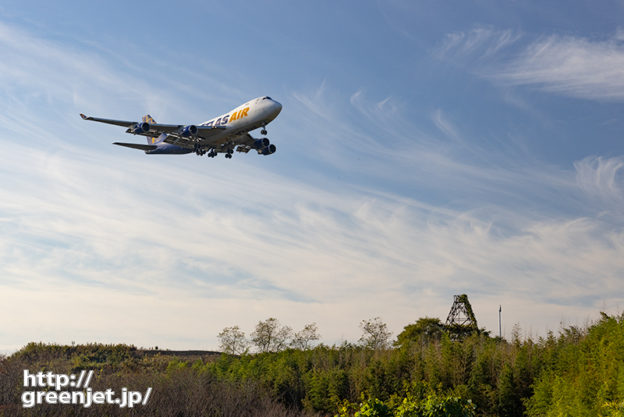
<point x="278" y="106"/>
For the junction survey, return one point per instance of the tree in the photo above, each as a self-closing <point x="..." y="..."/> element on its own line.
<point x="304" y="338"/>
<point x="425" y="329"/>
<point x="232" y="341"/>
<point x="375" y="334"/>
<point x="270" y="335"/>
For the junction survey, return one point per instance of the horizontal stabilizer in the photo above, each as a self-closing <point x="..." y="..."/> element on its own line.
<point x="137" y="146"/>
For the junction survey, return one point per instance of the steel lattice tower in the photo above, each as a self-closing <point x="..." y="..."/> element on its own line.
<point x="461" y="319"/>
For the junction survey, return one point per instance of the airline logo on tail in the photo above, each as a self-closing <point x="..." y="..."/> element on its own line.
<point x="149" y="119"/>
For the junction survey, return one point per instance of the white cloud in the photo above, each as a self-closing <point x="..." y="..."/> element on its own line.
<point x="442" y="123"/>
<point x="481" y="42"/>
<point x="570" y="66"/>
<point x="565" y="65"/>
<point x="602" y="179"/>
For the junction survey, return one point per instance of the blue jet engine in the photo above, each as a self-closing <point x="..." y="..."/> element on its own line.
<point x="261" y="143"/>
<point x="139" y="128"/>
<point x="269" y="150"/>
<point x="186" y="131"/>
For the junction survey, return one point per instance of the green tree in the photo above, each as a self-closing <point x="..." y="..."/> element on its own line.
<point x="425" y="330"/>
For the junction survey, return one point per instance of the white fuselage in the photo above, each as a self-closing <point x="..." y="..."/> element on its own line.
<point x="251" y="115"/>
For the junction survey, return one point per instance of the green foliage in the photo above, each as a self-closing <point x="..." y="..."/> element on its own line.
<point x="373" y="408"/>
<point x="501" y="378"/>
<point x="585" y="373"/>
<point x="579" y="372"/>
<point x="425" y="330"/>
<point x="410" y="406"/>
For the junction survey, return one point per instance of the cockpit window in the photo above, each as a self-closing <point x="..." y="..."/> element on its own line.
<point x="265" y="98"/>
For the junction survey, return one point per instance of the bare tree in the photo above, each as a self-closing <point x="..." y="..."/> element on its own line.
<point x="304" y="338"/>
<point x="270" y="335"/>
<point x="375" y="334"/>
<point x="232" y="340"/>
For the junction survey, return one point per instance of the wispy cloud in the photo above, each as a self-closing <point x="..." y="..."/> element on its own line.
<point x="601" y="178"/>
<point x="570" y="66"/>
<point x="566" y="65"/>
<point x="481" y="42"/>
<point x="442" y="123"/>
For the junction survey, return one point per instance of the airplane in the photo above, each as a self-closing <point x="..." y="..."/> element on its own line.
<point x="223" y="134"/>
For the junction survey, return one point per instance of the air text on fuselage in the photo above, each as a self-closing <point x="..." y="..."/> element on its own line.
<point x="223" y="120"/>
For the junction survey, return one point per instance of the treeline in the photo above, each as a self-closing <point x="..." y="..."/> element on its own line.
<point x="577" y="372"/>
<point x="580" y="371"/>
<point x="271" y="336"/>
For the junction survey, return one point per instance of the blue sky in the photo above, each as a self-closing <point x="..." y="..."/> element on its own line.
<point x="424" y="150"/>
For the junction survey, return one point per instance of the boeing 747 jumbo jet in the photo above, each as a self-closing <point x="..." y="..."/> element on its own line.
<point x="223" y="134"/>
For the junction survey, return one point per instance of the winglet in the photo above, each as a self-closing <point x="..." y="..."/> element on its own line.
<point x="83" y="116"/>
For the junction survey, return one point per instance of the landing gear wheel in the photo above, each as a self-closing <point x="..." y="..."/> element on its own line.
<point x="263" y="131"/>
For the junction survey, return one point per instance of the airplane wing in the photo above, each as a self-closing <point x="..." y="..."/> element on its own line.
<point x="174" y="132"/>
<point x="124" y="123"/>
<point x="245" y="143"/>
<point x="203" y="136"/>
<point x="136" y="146"/>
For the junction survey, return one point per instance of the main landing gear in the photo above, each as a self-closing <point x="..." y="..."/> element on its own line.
<point x="213" y="152"/>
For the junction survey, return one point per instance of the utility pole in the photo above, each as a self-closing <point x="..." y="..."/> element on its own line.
<point x="500" y="329"/>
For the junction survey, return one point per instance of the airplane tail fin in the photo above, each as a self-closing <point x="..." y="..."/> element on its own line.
<point x="149" y="119"/>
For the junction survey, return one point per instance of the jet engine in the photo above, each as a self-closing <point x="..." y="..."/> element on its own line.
<point x="186" y="131"/>
<point x="261" y="143"/>
<point x="269" y="150"/>
<point x="139" y="128"/>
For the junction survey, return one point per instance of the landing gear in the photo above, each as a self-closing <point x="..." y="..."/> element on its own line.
<point x="228" y="155"/>
<point x="263" y="131"/>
